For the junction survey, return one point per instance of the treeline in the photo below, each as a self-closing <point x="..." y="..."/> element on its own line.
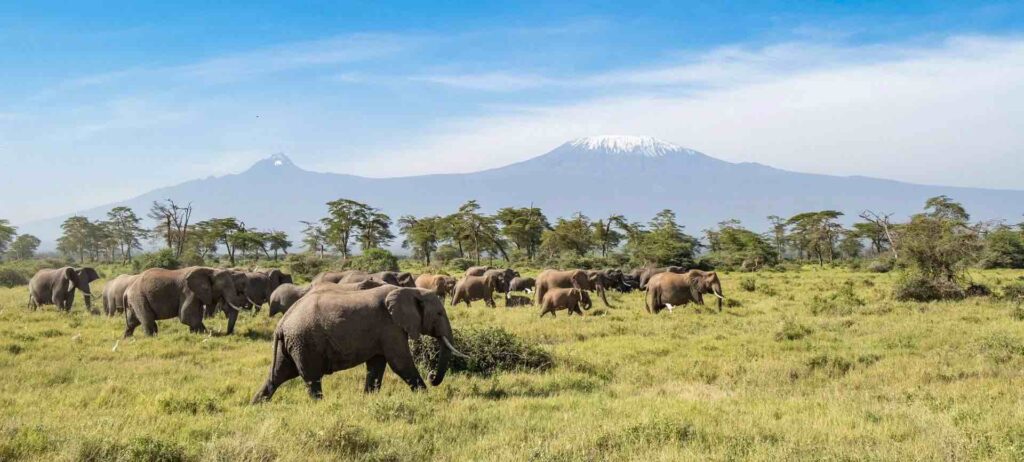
<point x="526" y="234"/>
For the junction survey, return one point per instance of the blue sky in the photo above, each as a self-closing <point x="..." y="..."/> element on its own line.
<point x="104" y="100"/>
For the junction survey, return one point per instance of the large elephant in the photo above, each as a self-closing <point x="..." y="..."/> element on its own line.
<point x="334" y="276"/>
<point x="648" y="273"/>
<point x="285" y="296"/>
<point x="521" y="284"/>
<point x="670" y="289"/>
<point x="551" y="279"/>
<point x="164" y="294"/>
<point x="331" y="330"/>
<point x="629" y="283"/>
<point x="57" y="287"/>
<point x="395" y="278"/>
<point x="601" y="281"/>
<point x="260" y="284"/>
<point x="502" y="278"/>
<point x="363" y="285"/>
<point x="472" y="288"/>
<point x="477" y="270"/>
<point x="440" y="284"/>
<point x="567" y="299"/>
<point x="113" y="293"/>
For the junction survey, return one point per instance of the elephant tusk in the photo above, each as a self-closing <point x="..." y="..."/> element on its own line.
<point x="452" y="347"/>
<point x="717" y="295"/>
<point x="232" y="305"/>
<point x="254" y="304"/>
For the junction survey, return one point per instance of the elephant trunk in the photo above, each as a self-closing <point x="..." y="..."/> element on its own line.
<point x="441" y="367"/>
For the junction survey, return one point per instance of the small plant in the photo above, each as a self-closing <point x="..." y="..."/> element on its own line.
<point x="1014" y="291"/>
<point x="880" y="266"/>
<point x="161" y="259"/>
<point x="490" y="350"/>
<point x="841" y="302"/>
<point x="748" y="284"/>
<point x="919" y="288"/>
<point x="977" y="290"/>
<point x="791" y="330"/>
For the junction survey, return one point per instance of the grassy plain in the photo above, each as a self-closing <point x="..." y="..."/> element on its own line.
<point x="818" y="364"/>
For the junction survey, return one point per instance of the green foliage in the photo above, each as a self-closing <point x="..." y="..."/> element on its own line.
<point x="304" y="266"/>
<point x="461" y="264"/>
<point x="7" y="233"/>
<point x="662" y="243"/>
<point x="939" y="244"/>
<point x="815" y="233"/>
<point x="1014" y="291"/>
<point x="733" y="247"/>
<point x="524" y="227"/>
<point x="10" y="277"/>
<point x="160" y="259"/>
<point x="837" y="303"/>
<point x="490" y="349"/>
<point x="422" y="235"/>
<point x="24" y="247"/>
<point x="792" y="330"/>
<point x="882" y="265"/>
<point x="921" y="288"/>
<point x="1003" y="248"/>
<point x="568" y="235"/>
<point x="748" y="284"/>
<point x="373" y="260"/>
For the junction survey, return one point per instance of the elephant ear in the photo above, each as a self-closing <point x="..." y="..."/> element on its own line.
<point x="199" y="281"/>
<point x="70" y="278"/>
<point x="405" y="309"/>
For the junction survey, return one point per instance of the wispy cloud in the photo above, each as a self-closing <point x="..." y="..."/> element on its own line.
<point x="946" y="113"/>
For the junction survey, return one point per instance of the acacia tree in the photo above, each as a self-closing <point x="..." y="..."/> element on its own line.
<point x="7" y="233"/>
<point x="422" y="235"/>
<point x="524" y="227"/>
<point x="315" y="238"/>
<point x="344" y="219"/>
<point x="573" y="234"/>
<point x="277" y="241"/>
<point x="816" y="233"/>
<point x="78" y="237"/>
<point x="940" y="243"/>
<point x="172" y="223"/>
<point x="24" y="247"/>
<point x="480" y="232"/>
<point x="374" y="229"/>
<point x="606" y="237"/>
<point x="778" y="234"/>
<point x="124" y="227"/>
<point x="661" y="242"/>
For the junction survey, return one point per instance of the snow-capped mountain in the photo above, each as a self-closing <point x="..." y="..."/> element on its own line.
<point x="598" y="176"/>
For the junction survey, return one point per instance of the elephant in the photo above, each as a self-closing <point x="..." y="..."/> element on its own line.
<point x="551" y="279"/>
<point x="569" y="299"/>
<point x="113" y="293"/>
<point x="472" y="288"/>
<point x="164" y="294"/>
<point x="502" y="278"/>
<point x="260" y="284"/>
<point x="602" y="280"/>
<point x="477" y="270"/>
<point x="394" y="278"/>
<point x="521" y="284"/>
<point x="669" y="289"/>
<point x="331" y="330"/>
<point x="57" y="287"/>
<point x="364" y="285"/>
<point x="285" y="296"/>
<point x="650" y="272"/>
<point x="441" y="285"/>
<point x="334" y="276"/>
<point x="518" y="300"/>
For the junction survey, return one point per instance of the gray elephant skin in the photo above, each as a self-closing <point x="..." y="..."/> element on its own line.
<point x="57" y="287"/>
<point x="555" y="279"/>
<point x="160" y="294"/>
<point x="440" y="284"/>
<point x="671" y="289"/>
<point x="260" y="284"/>
<point x="113" y="293"/>
<point x="285" y="296"/>
<point x="471" y="288"/>
<point x="565" y="299"/>
<point x="331" y="330"/>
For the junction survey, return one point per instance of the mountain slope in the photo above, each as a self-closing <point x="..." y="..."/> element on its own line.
<point x="634" y="176"/>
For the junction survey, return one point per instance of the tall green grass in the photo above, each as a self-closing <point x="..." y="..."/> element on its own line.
<point x="815" y="364"/>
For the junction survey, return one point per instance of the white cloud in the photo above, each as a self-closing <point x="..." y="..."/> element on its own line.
<point x="947" y="114"/>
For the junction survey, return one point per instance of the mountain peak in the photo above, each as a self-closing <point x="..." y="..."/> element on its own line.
<point x="629" y="145"/>
<point x="277" y="161"/>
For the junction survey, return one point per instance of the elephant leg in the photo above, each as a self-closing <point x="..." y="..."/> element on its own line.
<point x="315" y="390"/>
<point x="145" y="317"/>
<point x="191" y="315"/>
<point x="489" y="301"/>
<point x="374" y="374"/>
<point x="403" y="364"/>
<point x="282" y="369"/>
<point x="232" y="315"/>
<point x="131" y="322"/>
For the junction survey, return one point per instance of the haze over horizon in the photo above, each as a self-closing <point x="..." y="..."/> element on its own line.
<point x="100" y="104"/>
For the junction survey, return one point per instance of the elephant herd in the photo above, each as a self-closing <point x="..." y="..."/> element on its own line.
<point x="343" y="319"/>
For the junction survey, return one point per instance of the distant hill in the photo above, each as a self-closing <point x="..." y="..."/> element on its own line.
<point x="598" y="176"/>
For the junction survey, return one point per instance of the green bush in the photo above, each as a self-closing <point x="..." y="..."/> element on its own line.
<point x="461" y="264"/>
<point x="490" y="350"/>
<point x="919" y="288"/>
<point x="748" y="284"/>
<point x="373" y="260"/>
<point x="840" y="303"/>
<point x="161" y="259"/>
<point x="304" y="266"/>
<point x="1014" y="291"/>
<point x="791" y="330"/>
<point x="10" y="277"/>
<point x="880" y="266"/>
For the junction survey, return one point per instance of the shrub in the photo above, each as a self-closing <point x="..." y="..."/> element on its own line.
<point x="791" y="330"/>
<point x="748" y="284"/>
<point x="162" y="259"/>
<point x="880" y="266"/>
<point x="490" y="350"/>
<point x="919" y="288"/>
<point x="1014" y="291"/>
<point x="841" y="302"/>
<point x="977" y="290"/>
<point x="374" y="260"/>
<point x="304" y="266"/>
<point x="10" y="277"/>
<point x="461" y="264"/>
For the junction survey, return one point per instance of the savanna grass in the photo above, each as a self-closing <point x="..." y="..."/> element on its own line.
<point x="812" y="364"/>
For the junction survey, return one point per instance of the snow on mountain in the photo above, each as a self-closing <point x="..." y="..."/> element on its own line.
<point x="629" y="145"/>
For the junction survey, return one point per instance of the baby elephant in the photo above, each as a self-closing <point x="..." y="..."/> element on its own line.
<point x="331" y="330"/>
<point x="520" y="284"/>
<point x="518" y="300"/>
<point x="565" y="299"/>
